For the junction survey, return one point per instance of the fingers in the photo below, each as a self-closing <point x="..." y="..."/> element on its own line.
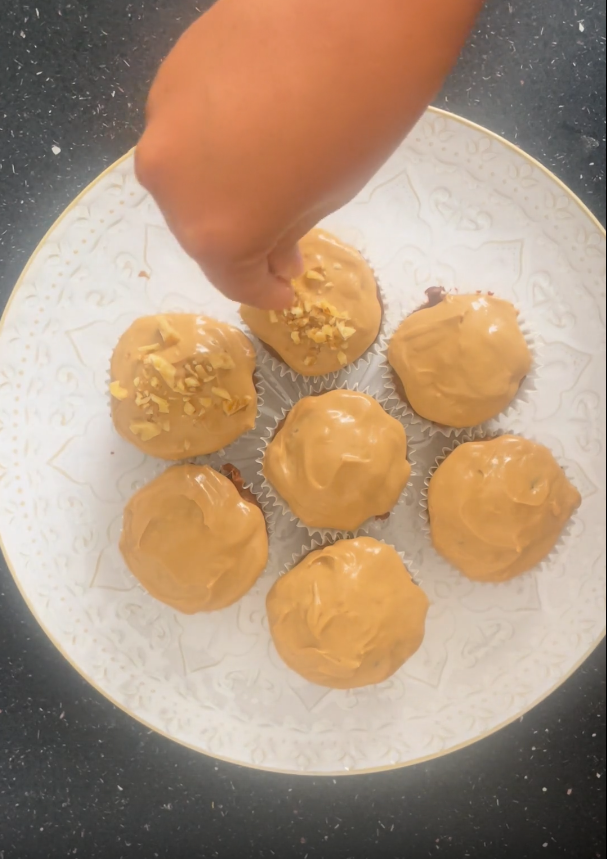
<point x="252" y="283"/>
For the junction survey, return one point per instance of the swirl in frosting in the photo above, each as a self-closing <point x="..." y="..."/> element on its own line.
<point x="348" y="615"/>
<point x="192" y="541"/>
<point x="336" y="312"/>
<point x="497" y="507"/>
<point x="462" y="360"/>
<point x="182" y="385"/>
<point x="339" y="460"/>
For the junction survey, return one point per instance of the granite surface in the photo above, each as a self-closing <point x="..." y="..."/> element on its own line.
<point x="79" y="778"/>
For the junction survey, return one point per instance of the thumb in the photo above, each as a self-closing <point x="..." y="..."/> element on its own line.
<point x="286" y="261"/>
<point x="253" y="283"/>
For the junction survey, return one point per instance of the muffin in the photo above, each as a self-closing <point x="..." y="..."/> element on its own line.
<point x="348" y="615"/>
<point x="182" y="385"/>
<point x="497" y="507"/>
<point x="338" y="460"/>
<point x="192" y="541"/>
<point x="460" y="359"/>
<point x="336" y="313"/>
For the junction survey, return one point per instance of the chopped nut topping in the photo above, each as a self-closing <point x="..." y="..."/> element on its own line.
<point x="342" y="358"/>
<point x="144" y="429"/>
<point x="221" y="392"/>
<point x="163" y="405"/>
<point x="221" y="361"/>
<point x="191" y="382"/>
<point x="205" y="402"/>
<point x="309" y="360"/>
<point x="188" y="408"/>
<point x="317" y="320"/>
<point x="154" y="382"/>
<point x="236" y="405"/>
<point x="203" y="374"/>
<point x="167" y="332"/>
<point x="117" y="391"/>
<point x="151" y="347"/>
<point x="166" y="370"/>
<point x="166" y="426"/>
<point x="313" y="275"/>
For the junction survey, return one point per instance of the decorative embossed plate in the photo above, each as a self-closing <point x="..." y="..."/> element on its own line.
<point x="455" y="206"/>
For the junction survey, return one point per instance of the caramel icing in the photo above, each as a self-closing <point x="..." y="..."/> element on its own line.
<point x="192" y="541"/>
<point x="497" y="507"/>
<point x="182" y="385"/>
<point x="338" y="460"/>
<point x="336" y="313"/>
<point x="347" y="615"/>
<point x="461" y="361"/>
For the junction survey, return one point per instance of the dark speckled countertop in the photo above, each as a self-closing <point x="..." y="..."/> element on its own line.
<point x="79" y="778"/>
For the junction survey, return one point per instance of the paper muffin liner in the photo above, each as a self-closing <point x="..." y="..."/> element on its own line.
<point x="526" y="389"/>
<point x="319" y="542"/>
<point x="281" y="506"/>
<point x="355" y="370"/>
<point x="246" y="439"/>
<point x="486" y="435"/>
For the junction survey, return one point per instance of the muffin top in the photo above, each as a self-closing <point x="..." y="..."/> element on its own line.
<point x="338" y="460"/>
<point x="348" y="615"/>
<point x="460" y="361"/>
<point x="497" y="507"/>
<point x="182" y="385"/>
<point x="336" y="314"/>
<point x="192" y="541"/>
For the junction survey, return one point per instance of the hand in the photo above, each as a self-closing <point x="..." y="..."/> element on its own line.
<point x="268" y="115"/>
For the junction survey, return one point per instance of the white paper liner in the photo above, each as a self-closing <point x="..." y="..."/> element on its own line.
<point x="526" y="389"/>
<point x="306" y="384"/>
<point x="486" y="435"/>
<point x="319" y="542"/>
<point x="374" y="524"/>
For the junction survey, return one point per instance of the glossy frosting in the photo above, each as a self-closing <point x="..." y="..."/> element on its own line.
<point x="192" y="541"/>
<point x="338" y="460"/>
<point x="462" y="360"/>
<point x="336" y="314"/>
<point x="347" y="615"/>
<point x="497" y="507"/>
<point x="182" y="385"/>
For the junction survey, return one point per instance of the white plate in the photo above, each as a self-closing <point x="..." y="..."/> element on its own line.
<point x="456" y="206"/>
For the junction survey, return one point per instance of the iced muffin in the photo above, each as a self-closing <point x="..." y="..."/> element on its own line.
<point x="348" y="615"/>
<point x="338" y="460"/>
<point x="460" y="359"/>
<point x="182" y="385"/>
<point x="497" y="507"/>
<point x="336" y="314"/>
<point x="192" y="540"/>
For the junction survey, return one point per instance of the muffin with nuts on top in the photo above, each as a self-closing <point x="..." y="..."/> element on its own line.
<point x="182" y="385"/>
<point x="336" y="313"/>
